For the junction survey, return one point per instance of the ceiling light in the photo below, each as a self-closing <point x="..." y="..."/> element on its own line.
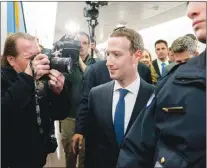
<point x="72" y="27"/>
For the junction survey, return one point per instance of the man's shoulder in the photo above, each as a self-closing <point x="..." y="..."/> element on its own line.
<point x="102" y="87"/>
<point x="100" y="64"/>
<point x="170" y="66"/>
<point x="154" y="61"/>
<point x="146" y="85"/>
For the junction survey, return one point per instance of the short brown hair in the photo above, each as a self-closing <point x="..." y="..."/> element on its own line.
<point x="134" y="37"/>
<point x="10" y="46"/>
<point x="161" y="41"/>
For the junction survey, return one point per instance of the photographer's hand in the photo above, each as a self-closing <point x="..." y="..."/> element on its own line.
<point x="56" y="81"/>
<point x="40" y="65"/>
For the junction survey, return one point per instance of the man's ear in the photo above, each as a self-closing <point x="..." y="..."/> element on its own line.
<point x="10" y="60"/>
<point x="196" y="53"/>
<point x="138" y="55"/>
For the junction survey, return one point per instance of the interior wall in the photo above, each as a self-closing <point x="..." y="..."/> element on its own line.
<point x="40" y="20"/>
<point x="168" y="31"/>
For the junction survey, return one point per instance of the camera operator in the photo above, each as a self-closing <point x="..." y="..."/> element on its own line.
<point x="75" y="83"/>
<point x="29" y="103"/>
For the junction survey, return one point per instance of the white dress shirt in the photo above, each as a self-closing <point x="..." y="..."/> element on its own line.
<point x="130" y="99"/>
<point x="160" y="64"/>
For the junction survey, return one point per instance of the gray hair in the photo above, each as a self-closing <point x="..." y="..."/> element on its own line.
<point x="182" y="44"/>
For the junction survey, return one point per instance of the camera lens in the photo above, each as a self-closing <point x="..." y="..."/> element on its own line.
<point x="61" y="64"/>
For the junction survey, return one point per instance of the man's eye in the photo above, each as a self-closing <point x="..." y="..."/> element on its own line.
<point x="117" y="54"/>
<point x="107" y="53"/>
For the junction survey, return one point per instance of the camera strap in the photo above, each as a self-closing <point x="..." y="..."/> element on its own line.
<point x="39" y="120"/>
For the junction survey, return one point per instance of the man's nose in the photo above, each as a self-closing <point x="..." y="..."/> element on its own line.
<point x="109" y="61"/>
<point x="191" y="10"/>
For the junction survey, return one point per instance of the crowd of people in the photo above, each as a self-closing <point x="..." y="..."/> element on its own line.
<point x="121" y="109"/>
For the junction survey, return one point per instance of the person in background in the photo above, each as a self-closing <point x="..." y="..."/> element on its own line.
<point x="161" y="49"/>
<point x="171" y="56"/>
<point x="31" y="97"/>
<point x="74" y="81"/>
<point x="97" y="54"/>
<point x="147" y="60"/>
<point x="184" y="48"/>
<point x="192" y="36"/>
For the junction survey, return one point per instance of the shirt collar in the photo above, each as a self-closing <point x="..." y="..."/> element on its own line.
<point x="131" y="87"/>
<point x="160" y="62"/>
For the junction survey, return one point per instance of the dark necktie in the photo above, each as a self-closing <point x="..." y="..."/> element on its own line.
<point x="119" y="116"/>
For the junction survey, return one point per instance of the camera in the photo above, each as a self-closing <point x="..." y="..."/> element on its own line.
<point x="91" y="10"/>
<point x="65" y="54"/>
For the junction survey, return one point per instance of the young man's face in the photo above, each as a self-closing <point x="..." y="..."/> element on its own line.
<point x="121" y="62"/>
<point x="197" y="13"/>
<point x="161" y="50"/>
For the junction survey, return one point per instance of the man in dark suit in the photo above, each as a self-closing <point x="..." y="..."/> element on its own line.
<point x="114" y="106"/>
<point x="96" y="75"/>
<point x="161" y="49"/>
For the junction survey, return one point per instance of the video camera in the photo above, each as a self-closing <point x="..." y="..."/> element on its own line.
<point x="91" y="10"/>
<point x="65" y="54"/>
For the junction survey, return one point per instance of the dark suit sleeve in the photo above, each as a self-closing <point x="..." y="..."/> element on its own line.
<point x="148" y="76"/>
<point x="89" y="81"/>
<point x="138" y="148"/>
<point x="90" y="133"/>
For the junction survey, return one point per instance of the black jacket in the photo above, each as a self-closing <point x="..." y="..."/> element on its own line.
<point x="96" y="75"/>
<point x="22" y="144"/>
<point x="171" y="130"/>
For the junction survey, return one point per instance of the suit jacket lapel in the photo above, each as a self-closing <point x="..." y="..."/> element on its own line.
<point x="157" y="68"/>
<point x="139" y="105"/>
<point x="107" y="112"/>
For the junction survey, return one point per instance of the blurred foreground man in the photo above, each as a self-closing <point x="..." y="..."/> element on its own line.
<point x="173" y="123"/>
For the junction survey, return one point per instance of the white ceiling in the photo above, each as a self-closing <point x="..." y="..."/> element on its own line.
<point x="137" y="15"/>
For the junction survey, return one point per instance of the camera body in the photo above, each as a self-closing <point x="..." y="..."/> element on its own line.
<point x="91" y="10"/>
<point x="65" y="54"/>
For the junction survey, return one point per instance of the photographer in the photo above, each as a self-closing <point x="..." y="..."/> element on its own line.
<point x="74" y="82"/>
<point x="32" y="96"/>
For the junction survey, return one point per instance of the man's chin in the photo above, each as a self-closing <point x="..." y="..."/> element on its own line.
<point x="113" y="76"/>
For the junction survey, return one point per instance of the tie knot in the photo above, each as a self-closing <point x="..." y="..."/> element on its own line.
<point x="123" y="92"/>
<point x="163" y="64"/>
